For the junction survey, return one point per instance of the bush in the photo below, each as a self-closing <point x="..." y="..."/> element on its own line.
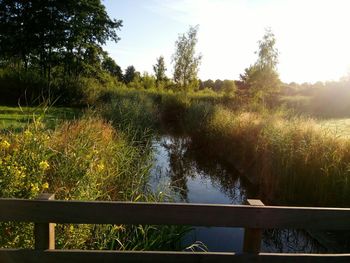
<point x="30" y="88"/>
<point x="21" y="87"/>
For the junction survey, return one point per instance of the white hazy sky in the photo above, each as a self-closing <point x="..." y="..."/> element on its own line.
<point x="313" y="36"/>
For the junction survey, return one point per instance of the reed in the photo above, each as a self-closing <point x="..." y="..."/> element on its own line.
<point x="85" y="159"/>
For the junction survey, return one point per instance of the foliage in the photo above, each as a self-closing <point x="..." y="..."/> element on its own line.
<point x="130" y="74"/>
<point x="284" y="155"/>
<point x="229" y="87"/>
<point x="85" y="159"/>
<point x="48" y="47"/>
<point x="54" y="33"/>
<point x="132" y="112"/>
<point x="262" y="82"/>
<point x="30" y="88"/>
<point x="262" y="79"/>
<point x="148" y="81"/>
<point x="268" y="54"/>
<point x="319" y="100"/>
<point x="159" y="70"/>
<point x="111" y="67"/>
<point x="186" y="62"/>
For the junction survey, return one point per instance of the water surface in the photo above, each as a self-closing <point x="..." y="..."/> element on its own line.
<point x="189" y="176"/>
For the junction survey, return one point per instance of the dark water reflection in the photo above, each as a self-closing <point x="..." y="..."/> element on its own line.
<point x="191" y="177"/>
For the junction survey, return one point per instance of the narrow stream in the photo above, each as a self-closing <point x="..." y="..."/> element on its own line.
<point x="192" y="178"/>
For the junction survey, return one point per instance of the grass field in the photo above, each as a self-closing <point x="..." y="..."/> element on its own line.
<point x="16" y="118"/>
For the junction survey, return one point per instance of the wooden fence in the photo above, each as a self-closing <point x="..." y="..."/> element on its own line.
<point x="45" y="211"/>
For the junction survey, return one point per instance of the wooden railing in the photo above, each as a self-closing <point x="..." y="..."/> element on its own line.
<point x="254" y="217"/>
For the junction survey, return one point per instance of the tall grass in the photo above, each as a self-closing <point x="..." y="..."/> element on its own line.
<point x="291" y="158"/>
<point x="85" y="159"/>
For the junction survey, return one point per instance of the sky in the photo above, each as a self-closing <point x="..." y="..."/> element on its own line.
<point x="313" y="36"/>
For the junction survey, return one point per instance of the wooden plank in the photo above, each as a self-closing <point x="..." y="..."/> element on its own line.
<point x="254" y="202"/>
<point x="252" y="236"/>
<point x="80" y="256"/>
<point x="173" y="214"/>
<point x="44" y="233"/>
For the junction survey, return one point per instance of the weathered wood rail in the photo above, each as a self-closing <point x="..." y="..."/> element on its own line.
<point x="254" y="217"/>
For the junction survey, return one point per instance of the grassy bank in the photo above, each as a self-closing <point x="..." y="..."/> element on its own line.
<point x="17" y="118"/>
<point x="294" y="160"/>
<point x="84" y="159"/>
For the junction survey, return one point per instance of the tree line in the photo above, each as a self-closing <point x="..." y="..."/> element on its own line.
<point x="61" y="42"/>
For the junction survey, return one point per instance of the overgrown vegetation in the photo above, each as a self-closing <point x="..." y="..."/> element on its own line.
<point x="276" y="134"/>
<point x="85" y="159"/>
<point x="286" y="155"/>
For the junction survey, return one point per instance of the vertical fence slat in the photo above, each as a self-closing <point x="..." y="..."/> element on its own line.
<point x="252" y="236"/>
<point x="44" y="233"/>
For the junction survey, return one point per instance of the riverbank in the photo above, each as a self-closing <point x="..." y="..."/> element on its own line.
<point x="292" y="159"/>
<point x="79" y="159"/>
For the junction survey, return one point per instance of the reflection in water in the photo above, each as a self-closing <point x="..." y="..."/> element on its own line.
<point x="191" y="177"/>
<point x="179" y="167"/>
<point x="289" y="240"/>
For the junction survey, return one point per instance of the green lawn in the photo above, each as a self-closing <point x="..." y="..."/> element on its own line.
<point x="17" y="118"/>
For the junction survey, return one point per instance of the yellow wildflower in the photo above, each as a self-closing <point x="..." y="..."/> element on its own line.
<point x="45" y="185"/>
<point x="120" y="228"/>
<point x="34" y="187"/>
<point x="4" y="145"/>
<point x="28" y="133"/>
<point x="100" y="167"/>
<point x="44" y="165"/>
<point x="16" y="172"/>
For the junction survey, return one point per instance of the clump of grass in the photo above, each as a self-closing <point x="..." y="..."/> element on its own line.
<point x="133" y="113"/>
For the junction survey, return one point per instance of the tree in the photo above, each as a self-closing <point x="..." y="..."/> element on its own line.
<point x="46" y="33"/>
<point x="186" y="62"/>
<point x="130" y="74"/>
<point x="218" y="85"/>
<point x="112" y="68"/>
<point x="148" y="81"/>
<point x="208" y="84"/>
<point x="159" y="70"/>
<point x="262" y="78"/>
<point x="229" y="87"/>
<point x="268" y="53"/>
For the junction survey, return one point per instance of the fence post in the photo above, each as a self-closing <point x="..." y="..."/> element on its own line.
<point x="44" y="233"/>
<point x="252" y="236"/>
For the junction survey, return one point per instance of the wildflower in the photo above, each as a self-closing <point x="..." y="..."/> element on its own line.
<point x="44" y="165"/>
<point x="34" y="187"/>
<point x="4" y="145"/>
<point x="120" y="228"/>
<point x="100" y="167"/>
<point x="28" y="133"/>
<point x="45" y="185"/>
<point x="16" y="172"/>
